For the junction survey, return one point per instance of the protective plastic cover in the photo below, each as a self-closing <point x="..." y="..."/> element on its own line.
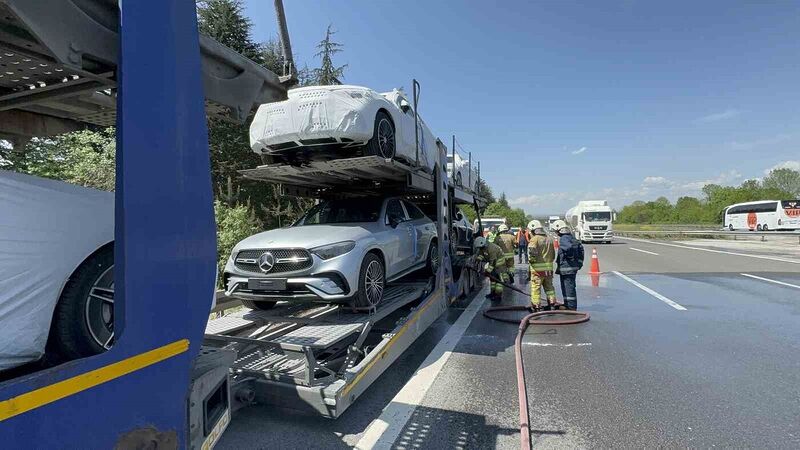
<point x="47" y="229"/>
<point x="339" y="115"/>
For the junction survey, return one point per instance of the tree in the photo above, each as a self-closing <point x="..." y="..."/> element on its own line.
<point x="503" y="200"/>
<point x="86" y="158"/>
<point x="225" y="21"/>
<point x="328" y="73"/>
<point x="485" y="191"/>
<point x="787" y="180"/>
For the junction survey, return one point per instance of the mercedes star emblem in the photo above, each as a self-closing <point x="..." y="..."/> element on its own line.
<point x="266" y="261"/>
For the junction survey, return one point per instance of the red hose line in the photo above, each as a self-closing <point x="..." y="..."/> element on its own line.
<point x="522" y="391"/>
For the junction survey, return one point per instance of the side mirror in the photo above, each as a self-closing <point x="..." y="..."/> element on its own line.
<point x="394" y="221"/>
<point x="404" y="106"/>
<point x="459" y="215"/>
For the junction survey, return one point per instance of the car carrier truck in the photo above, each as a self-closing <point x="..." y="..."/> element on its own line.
<point x="591" y="221"/>
<point x="173" y="378"/>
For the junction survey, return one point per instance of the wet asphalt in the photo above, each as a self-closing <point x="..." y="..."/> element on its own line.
<point x="724" y="372"/>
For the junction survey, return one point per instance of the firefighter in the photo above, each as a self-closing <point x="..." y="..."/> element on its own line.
<point x="569" y="261"/>
<point x="492" y="234"/>
<point x="507" y="243"/>
<point x="541" y="255"/>
<point x="489" y="253"/>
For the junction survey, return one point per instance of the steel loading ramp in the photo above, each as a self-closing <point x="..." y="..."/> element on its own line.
<point x="58" y="69"/>
<point x="306" y="344"/>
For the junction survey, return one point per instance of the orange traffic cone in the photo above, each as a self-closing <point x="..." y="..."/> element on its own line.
<point x="595" y="267"/>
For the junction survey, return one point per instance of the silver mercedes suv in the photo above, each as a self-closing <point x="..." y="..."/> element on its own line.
<point x="339" y="251"/>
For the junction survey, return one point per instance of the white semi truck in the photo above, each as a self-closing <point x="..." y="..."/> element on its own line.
<point x="591" y="221"/>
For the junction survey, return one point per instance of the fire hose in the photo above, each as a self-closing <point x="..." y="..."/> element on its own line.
<point x="530" y="319"/>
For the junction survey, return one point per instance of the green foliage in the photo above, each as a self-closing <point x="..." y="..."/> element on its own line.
<point x="485" y="191"/>
<point x="233" y="224"/>
<point x="717" y="198"/>
<point x="787" y="180"/>
<point x="225" y="21"/>
<point x="86" y="158"/>
<point x="328" y="73"/>
<point x="515" y="217"/>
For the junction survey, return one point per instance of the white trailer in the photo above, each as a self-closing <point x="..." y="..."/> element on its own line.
<point x="551" y="220"/>
<point x="591" y="221"/>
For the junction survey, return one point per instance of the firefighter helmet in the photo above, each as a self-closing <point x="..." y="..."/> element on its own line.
<point x="561" y="226"/>
<point x="502" y="228"/>
<point x="534" y="224"/>
<point x="480" y="242"/>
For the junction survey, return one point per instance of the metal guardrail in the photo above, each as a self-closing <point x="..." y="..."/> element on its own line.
<point x="712" y="233"/>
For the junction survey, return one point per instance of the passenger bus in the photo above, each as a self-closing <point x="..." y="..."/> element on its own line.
<point x="764" y="215"/>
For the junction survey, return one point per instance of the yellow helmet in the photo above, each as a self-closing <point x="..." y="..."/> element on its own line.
<point x="534" y="224"/>
<point x="502" y="228"/>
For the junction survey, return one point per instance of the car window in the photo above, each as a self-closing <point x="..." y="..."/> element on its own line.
<point x="413" y="211"/>
<point x="343" y="211"/>
<point x="393" y="208"/>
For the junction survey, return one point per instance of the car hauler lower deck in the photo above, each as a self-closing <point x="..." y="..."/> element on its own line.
<point x="321" y="358"/>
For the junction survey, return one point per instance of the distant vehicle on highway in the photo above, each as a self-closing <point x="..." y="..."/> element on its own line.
<point x="551" y="220"/>
<point x="488" y="223"/>
<point x="341" y="121"/>
<point x="591" y="221"/>
<point x="764" y="215"/>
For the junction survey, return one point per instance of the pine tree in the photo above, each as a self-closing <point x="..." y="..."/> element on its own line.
<point x="328" y="73"/>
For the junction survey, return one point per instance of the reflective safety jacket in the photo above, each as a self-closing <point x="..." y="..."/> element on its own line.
<point x="506" y="242"/>
<point x="494" y="256"/>
<point x="491" y="237"/>
<point x="541" y="254"/>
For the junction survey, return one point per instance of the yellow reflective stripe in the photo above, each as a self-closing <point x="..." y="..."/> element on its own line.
<point x="509" y="254"/>
<point x="542" y="266"/>
<point x="49" y="394"/>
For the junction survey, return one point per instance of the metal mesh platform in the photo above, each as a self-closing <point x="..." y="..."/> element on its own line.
<point x="319" y="337"/>
<point x="366" y="175"/>
<point x="58" y="64"/>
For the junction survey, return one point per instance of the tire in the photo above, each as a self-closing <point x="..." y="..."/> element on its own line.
<point x="730" y="227"/>
<point x="383" y="142"/>
<point x="765" y="227"/>
<point x="758" y="227"/>
<point x="371" y="282"/>
<point x="433" y="260"/>
<point x="83" y="320"/>
<point x="258" y="305"/>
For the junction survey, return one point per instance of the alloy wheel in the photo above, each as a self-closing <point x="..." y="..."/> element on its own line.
<point x="99" y="311"/>
<point x="386" y="144"/>
<point x="374" y="283"/>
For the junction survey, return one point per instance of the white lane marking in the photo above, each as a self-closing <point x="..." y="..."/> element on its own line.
<point x="770" y="280"/>
<point x="550" y="344"/>
<point x="771" y="258"/>
<point x="650" y="291"/>
<point x="384" y="430"/>
<point x="643" y="251"/>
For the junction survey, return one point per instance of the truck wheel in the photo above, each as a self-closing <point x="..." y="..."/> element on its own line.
<point x="258" y="305"/>
<point x="383" y="142"/>
<point x="371" y="282"/>
<point x="83" y="320"/>
<point x="432" y="262"/>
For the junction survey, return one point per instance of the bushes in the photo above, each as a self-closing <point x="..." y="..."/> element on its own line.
<point x="233" y="224"/>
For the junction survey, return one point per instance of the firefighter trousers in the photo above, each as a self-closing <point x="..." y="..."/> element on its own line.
<point x="569" y="291"/>
<point x="502" y="275"/>
<point x="539" y="282"/>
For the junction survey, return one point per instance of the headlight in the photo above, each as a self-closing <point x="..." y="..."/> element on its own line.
<point x="333" y="250"/>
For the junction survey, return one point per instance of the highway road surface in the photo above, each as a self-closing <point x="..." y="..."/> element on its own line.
<point x="686" y="347"/>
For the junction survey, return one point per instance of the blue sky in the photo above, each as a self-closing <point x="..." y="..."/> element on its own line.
<point x="563" y="101"/>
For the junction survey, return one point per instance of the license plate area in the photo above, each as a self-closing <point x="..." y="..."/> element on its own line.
<point x="266" y="284"/>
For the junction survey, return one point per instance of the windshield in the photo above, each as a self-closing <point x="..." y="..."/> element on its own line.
<point x="597" y="216"/>
<point x="343" y="211"/>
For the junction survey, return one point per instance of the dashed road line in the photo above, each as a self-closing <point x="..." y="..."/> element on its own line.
<point x="770" y="280"/>
<point x="643" y="251"/>
<point x="384" y="430"/>
<point x="650" y="291"/>
<point x="771" y="258"/>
